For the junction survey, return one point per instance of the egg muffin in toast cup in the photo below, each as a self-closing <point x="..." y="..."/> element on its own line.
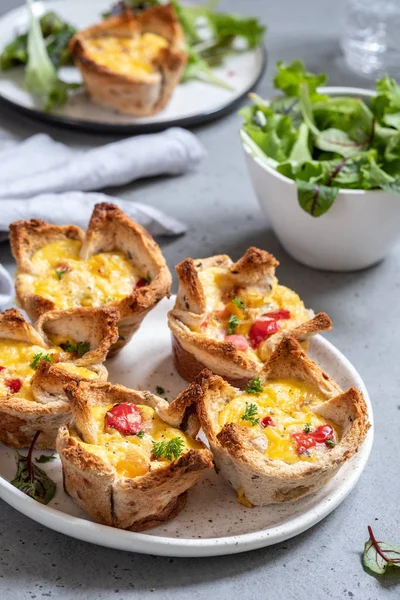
<point x="114" y="263"/>
<point x="36" y="364"/>
<point x="229" y="317"/>
<point x="132" y="63"/>
<point x="129" y="458"/>
<point x="287" y="434"/>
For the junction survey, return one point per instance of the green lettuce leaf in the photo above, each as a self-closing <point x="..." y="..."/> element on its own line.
<point x="300" y="152"/>
<point x="290" y="77"/>
<point x="40" y="75"/>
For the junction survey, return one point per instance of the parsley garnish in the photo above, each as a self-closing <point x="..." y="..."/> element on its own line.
<point x="249" y="414"/>
<point x="232" y="324"/>
<point x="140" y="434"/>
<point x="170" y="449"/>
<point x="307" y="428"/>
<point x="80" y="348"/>
<point x="254" y="386"/>
<point x="38" y="357"/>
<point x="239" y="303"/>
<point x="160" y="390"/>
<point x="60" y="274"/>
<point x="330" y="443"/>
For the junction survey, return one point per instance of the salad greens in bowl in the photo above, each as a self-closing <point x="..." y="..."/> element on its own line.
<point x="331" y="153"/>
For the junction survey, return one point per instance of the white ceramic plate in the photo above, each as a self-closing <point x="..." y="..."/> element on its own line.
<point x="192" y="103"/>
<point x="212" y="523"/>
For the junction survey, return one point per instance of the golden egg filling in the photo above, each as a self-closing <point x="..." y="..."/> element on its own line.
<point x="125" y="56"/>
<point x="69" y="281"/>
<point x="282" y="412"/>
<point x="247" y="316"/>
<point x="134" y="439"/>
<point x="19" y="361"/>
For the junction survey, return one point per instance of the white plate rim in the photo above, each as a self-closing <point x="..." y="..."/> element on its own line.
<point x="104" y="535"/>
<point x="137" y="128"/>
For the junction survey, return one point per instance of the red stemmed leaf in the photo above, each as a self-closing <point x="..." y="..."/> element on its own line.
<point x="378" y="556"/>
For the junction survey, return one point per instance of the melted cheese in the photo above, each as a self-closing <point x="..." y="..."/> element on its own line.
<point x="219" y="287"/>
<point x="126" y="55"/>
<point x="100" y="280"/>
<point x="290" y="404"/>
<point x="130" y="454"/>
<point x="16" y="358"/>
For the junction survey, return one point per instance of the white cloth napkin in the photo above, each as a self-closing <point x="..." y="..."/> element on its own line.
<point x="40" y="165"/>
<point x="44" y="179"/>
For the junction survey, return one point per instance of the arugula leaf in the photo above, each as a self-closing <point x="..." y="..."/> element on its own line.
<point x="45" y="458"/>
<point x="40" y="74"/>
<point x="300" y="152"/>
<point x="32" y="480"/>
<point x="254" y="386"/>
<point x="38" y="357"/>
<point x="198" y="68"/>
<point x="306" y="108"/>
<point x="314" y="198"/>
<point x="289" y="79"/>
<point x="374" y="176"/>
<point x="378" y="556"/>
<point x="169" y="450"/>
<point x="250" y="414"/>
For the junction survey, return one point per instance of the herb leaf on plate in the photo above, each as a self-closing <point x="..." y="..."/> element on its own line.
<point x="378" y="556"/>
<point x="41" y="75"/>
<point x="32" y="480"/>
<point x="56" y="34"/>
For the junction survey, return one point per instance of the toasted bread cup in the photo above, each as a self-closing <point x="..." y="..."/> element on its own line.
<point x="288" y="440"/>
<point x="115" y="263"/>
<point x="35" y="365"/>
<point x="229" y="317"/>
<point x="132" y="63"/>
<point x="118" y="476"/>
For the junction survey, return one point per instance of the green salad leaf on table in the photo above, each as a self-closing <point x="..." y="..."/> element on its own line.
<point x="326" y="143"/>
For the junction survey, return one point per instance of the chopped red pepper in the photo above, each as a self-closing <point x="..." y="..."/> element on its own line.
<point x="14" y="384"/>
<point x="2" y="368"/>
<point x="261" y="330"/>
<point x="142" y="282"/>
<point x="304" y="441"/>
<point x="267" y="421"/>
<point x="278" y="314"/>
<point x="239" y="341"/>
<point x="125" y="418"/>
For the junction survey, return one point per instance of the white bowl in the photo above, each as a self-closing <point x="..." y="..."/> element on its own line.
<point x="359" y="229"/>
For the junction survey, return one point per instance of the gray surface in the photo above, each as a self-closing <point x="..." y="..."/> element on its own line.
<point x="218" y="202"/>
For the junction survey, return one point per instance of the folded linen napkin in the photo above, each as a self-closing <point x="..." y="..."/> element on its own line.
<point x="39" y="164"/>
<point x="44" y="179"/>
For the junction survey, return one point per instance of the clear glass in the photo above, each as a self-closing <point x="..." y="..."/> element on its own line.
<point x="371" y="37"/>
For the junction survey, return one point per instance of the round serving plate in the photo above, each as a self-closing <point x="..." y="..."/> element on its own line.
<point x="212" y="523"/>
<point x="192" y="102"/>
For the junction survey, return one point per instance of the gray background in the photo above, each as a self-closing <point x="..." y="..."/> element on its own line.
<point x="218" y="203"/>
